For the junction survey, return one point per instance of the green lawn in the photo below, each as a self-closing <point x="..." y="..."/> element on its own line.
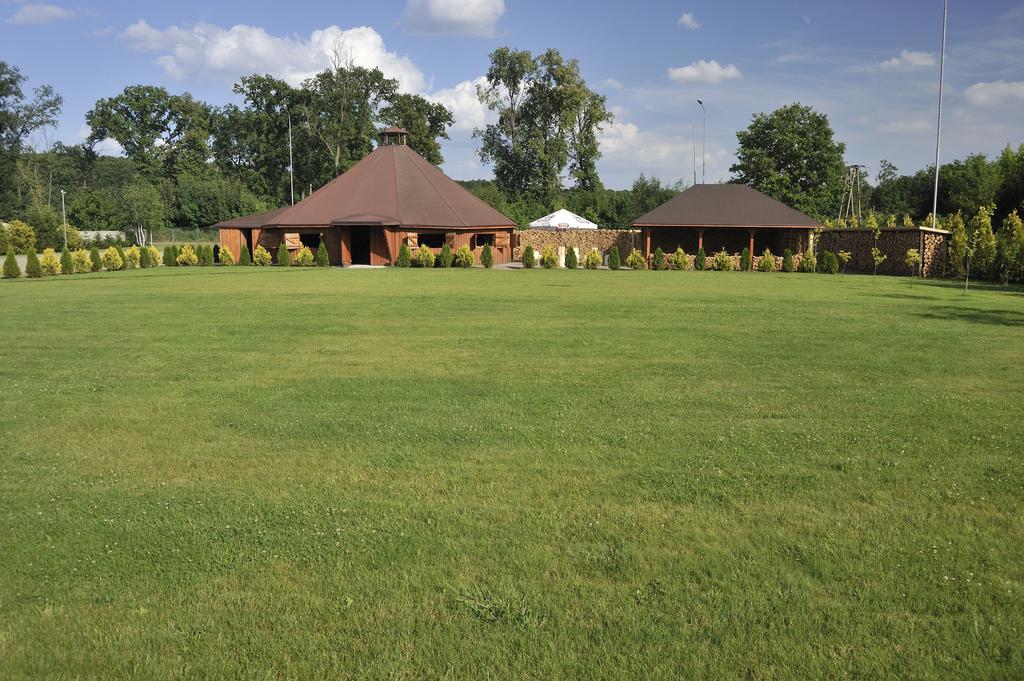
<point x="467" y="474"/>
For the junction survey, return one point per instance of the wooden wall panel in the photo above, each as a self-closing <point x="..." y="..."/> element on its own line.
<point x="378" y="247"/>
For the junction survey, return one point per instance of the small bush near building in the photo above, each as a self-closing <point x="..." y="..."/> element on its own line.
<point x="592" y="260"/>
<point x="169" y="256"/>
<point x="878" y="258"/>
<point x="404" y="256"/>
<point x="186" y="256"/>
<point x="463" y="257"/>
<point x="304" y="257"/>
<point x="844" y="257"/>
<point x="745" y="260"/>
<point x="809" y="262"/>
<point x="284" y="259"/>
<point x="244" y="258"/>
<point x="132" y="258"/>
<point x="21" y="236"/>
<point x="487" y="257"/>
<point x="679" y="260"/>
<point x="829" y="263"/>
<point x="635" y="261"/>
<point x="32" y="267"/>
<point x="700" y="262"/>
<point x="571" y="262"/>
<point x="120" y="252"/>
<point x="767" y="262"/>
<point x="144" y="260"/>
<point x="49" y="263"/>
<point x="787" y="260"/>
<point x="11" y="268"/>
<point x="261" y="257"/>
<point x="529" y="257"/>
<point x="424" y="257"/>
<point x="659" y="259"/>
<point x="67" y="266"/>
<point x="445" y="259"/>
<point x="205" y="254"/>
<point x="322" y="258"/>
<point x="548" y="260"/>
<point x="81" y="263"/>
<point x="95" y="259"/>
<point x="111" y="259"/>
<point x="154" y="256"/>
<point x="614" y="259"/>
<point x="721" y="262"/>
<point x="227" y="258"/>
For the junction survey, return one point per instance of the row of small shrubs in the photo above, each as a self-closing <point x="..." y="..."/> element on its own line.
<point x="80" y="261"/>
<point x="425" y="257"/>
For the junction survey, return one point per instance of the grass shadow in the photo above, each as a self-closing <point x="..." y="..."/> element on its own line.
<point x="975" y="315"/>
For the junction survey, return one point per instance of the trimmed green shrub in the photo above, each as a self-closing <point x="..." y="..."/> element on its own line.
<point x="548" y="259"/>
<point x="404" y="256"/>
<point x="261" y="257"/>
<point x="614" y="259"/>
<point x="284" y="259"/>
<point x="767" y="262"/>
<point x="304" y="257"/>
<point x="487" y="257"/>
<point x="205" y="255"/>
<point x="66" y="264"/>
<point x="745" y="260"/>
<point x="809" y="262"/>
<point x="445" y="259"/>
<point x="186" y="256"/>
<point x="175" y="252"/>
<point x="529" y="258"/>
<point x="592" y="260"/>
<point x="32" y="268"/>
<point x="120" y="252"/>
<point x="679" y="260"/>
<point x="424" y="257"/>
<point x="226" y="257"/>
<point x="322" y="258"/>
<point x="464" y="257"/>
<point x="132" y="257"/>
<point x="11" y="268"/>
<point x="154" y="256"/>
<point x="21" y="236"/>
<point x="635" y="261"/>
<point x="168" y="256"/>
<point x="787" y="260"/>
<point x="49" y="263"/>
<point x="829" y="263"/>
<point x="144" y="261"/>
<point x="700" y="261"/>
<point x="571" y="262"/>
<point x="243" y="258"/>
<point x="81" y="263"/>
<point x="659" y="259"/>
<point x="721" y="262"/>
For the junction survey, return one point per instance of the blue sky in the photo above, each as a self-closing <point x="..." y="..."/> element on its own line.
<point x="871" y="66"/>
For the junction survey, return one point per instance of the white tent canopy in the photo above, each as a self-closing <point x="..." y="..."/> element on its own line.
<point x="562" y="219"/>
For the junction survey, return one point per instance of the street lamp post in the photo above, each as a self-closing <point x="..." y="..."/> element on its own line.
<point x="704" y="148"/>
<point x="64" y="217"/>
<point x="938" y="123"/>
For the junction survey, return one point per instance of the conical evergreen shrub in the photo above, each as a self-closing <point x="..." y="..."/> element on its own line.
<point x="529" y="257"/>
<point x="32" y="267"/>
<point x="244" y="258"/>
<point x="322" y="259"/>
<point x="701" y="260"/>
<point x="571" y="261"/>
<point x="659" y="259"/>
<point x="283" y="258"/>
<point x="404" y="256"/>
<point x="144" y="261"/>
<point x="124" y="258"/>
<point x="614" y="259"/>
<point x="745" y="260"/>
<point x="67" y="266"/>
<point x="96" y="258"/>
<point x="169" y="256"/>
<point x="11" y="268"/>
<point x="446" y="257"/>
<point x="787" y="260"/>
<point x="487" y="257"/>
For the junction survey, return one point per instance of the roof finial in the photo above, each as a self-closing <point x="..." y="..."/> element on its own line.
<point x="394" y="135"/>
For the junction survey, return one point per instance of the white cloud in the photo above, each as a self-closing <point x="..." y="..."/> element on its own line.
<point x="207" y="50"/>
<point x="704" y="72"/>
<point x="688" y="21"/>
<point x="39" y="14"/>
<point x="469" y="17"/>
<point x="913" y="126"/>
<point x="627" y="150"/>
<point x="908" y="60"/>
<point x="611" y="84"/>
<point x="467" y="109"/>
<point x="996" y="93"/>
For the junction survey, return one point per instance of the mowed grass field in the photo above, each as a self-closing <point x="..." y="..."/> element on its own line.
<point x="509" y="474"/>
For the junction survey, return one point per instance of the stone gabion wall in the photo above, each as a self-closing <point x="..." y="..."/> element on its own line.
<point x="584" y="239"/>
<point x="893" y="243"/>
<point x="691" y="258"/>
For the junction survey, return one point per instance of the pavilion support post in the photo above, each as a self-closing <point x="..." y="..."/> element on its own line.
<point x="752" y="232"/>
<point x="700" y="239"/>
<point x="647" y="241"/>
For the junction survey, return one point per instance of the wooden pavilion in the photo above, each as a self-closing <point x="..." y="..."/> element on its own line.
<point x="391" y="197"/>
<point x="725" y="216"/>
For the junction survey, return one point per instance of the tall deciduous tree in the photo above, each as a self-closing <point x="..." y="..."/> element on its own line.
<point x="20" y="117"/>
<point x="792" y="156"/>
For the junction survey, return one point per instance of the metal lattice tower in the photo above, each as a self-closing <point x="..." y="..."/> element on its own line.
<point x="851" y="207"/>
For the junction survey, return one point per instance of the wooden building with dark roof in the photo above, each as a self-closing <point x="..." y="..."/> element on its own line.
<point x="725" y="216"/>
<point x="391" y="197"/>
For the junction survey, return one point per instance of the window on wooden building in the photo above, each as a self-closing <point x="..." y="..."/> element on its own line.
<point x="430" y="239"/>
<point x="478" y="240"/>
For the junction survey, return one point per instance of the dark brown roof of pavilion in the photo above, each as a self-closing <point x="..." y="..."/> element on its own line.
<point x="247" y="221"/>
<point x="392" y="186"/>
<point x="724" y="205"/>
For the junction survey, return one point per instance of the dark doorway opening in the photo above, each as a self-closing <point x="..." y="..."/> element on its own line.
<point x="247" y="233"/>
<point x="311" y="241"/>
<point x="360" y="246"/>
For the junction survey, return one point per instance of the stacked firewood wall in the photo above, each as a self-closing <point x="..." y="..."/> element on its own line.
<point x="585" y="240"/>
<point x="893" y="243"/>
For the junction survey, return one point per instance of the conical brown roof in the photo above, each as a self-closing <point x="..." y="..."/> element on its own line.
<point x="724" y="205"/>
<point x="392" y="186"/>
